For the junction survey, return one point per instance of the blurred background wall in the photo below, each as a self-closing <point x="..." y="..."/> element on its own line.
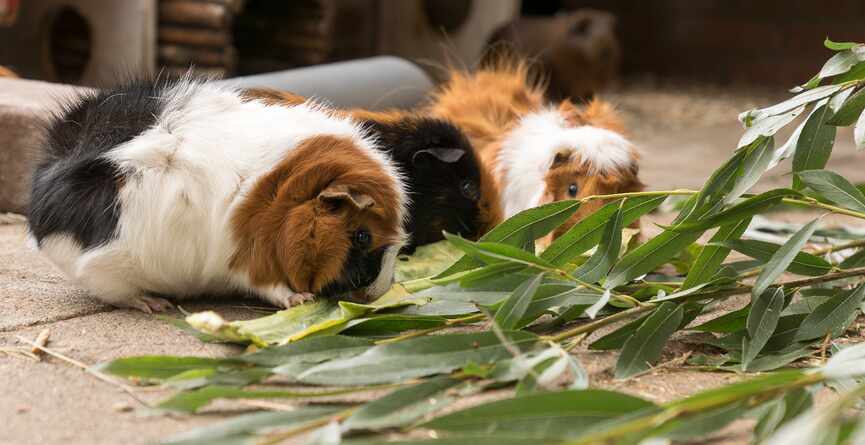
<point x="720" y="41"/>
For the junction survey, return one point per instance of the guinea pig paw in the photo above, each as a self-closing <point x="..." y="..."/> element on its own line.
<point x="297" y="298"/>
<point x="150" y="305"/>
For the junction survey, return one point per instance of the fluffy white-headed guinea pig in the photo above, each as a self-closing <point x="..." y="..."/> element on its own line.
<point x="182" y="188"/>
<point x="449" y="188"/>
<point x="539" y="151"/>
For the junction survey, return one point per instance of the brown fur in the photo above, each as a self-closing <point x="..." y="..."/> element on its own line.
<point x="295" y="228"/>
<point x="490" y="102"/>
<point x="6" y="72"/>
<point x="273" y="97"/>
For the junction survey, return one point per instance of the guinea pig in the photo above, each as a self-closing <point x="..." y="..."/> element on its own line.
<point x="182" y="188"/>
<point x="578" y="50"/>
<point x="449" y="188"/>
<point x="539" y="152"/>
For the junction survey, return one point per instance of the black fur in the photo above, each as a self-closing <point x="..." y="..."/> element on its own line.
<point x="361" y="268"/>
<point x="74" y="190"/>
<point x="437" y="201"/>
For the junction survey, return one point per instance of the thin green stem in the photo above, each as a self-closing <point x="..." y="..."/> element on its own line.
<point x="639" y="194"/>
<point x="811" y="202"/>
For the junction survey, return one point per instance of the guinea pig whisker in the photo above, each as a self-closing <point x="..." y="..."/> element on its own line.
<point x="464" y="226"/>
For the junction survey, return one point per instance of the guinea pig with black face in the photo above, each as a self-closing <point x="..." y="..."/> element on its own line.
<point x="450" y="189"/>
<point x="182" y="188"/>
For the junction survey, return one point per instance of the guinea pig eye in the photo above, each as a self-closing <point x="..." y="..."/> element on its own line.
<point x="362" y="238"/>
<point x="469" y="189"/>
<point x="573" y="190"/>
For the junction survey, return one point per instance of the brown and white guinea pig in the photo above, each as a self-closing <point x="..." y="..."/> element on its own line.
<point x="183" y="188"/>
<point x="449" y="188"/>
<point x="540" y="152"/>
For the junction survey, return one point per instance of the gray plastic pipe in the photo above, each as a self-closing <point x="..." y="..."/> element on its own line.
<point x="373" y="83"/>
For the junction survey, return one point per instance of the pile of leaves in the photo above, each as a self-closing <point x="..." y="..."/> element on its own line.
<point x="520" y="313"/>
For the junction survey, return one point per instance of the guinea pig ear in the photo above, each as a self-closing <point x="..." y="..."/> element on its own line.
<point x="562" y="157"/>
<point x="446" y="155"/>
<point x="337" y="195"/>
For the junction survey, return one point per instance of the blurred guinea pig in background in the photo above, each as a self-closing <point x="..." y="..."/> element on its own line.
<point x="578" y="51"/>
<point x="183" y="188"/>
<point x="539" y="151"/>
<point x="449" y="188"/>
<point x="6" y="72"/>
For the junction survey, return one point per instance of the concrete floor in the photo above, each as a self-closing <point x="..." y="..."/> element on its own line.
<point x="684" y="133"/>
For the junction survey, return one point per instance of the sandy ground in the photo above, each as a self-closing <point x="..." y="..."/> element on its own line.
<point x="684" y="132"/>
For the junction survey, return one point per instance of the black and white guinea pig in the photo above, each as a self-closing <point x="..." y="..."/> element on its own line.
<point x="183" y="188"/>
<point x="450" y="189"/>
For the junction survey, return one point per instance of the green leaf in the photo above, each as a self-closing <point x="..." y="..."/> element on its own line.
<point x="191" y="401"/>
<point x="388" y="324"/>
<point x="855" y="260"/>
<point x="840" y="63"/>
<point x="492" y="273"/>
<point x="293" y="358"/>
<point x="701" y="425"/>
<point x="240" y="428"/>
<point x="648" y="341"/>
<point x="839" y="46"/>
<point x="762" y="320"/>
<point x="781" y="411"/>
<point x="514" y="308"/>
<point x="711" y="256"/>
<point x="815" y="143"/>
<point x="742" y="211"/>
<point x="649" y="256"/>
<point x="834" y="187"/>
<point x="587" y="233"/>
<point x="776" y="360"/>
<point x="321" y="316"/>
<point x="617" y="338"/>
<point x="576" y="297"/>
<point x="520" y="230"/>
<point x="796" y="101"/>
<point x="803" y="263"/>
<point x="859" y="132"/>
<point x="850" y="111"/>
<point x="768" y="125"/>
<point x="403" y="406"/>
<point x="757" y="160"/>
<point x="161" y="367"/>
<point x="491" y="253"/>
<point x="416" y="357"/>
<point x="727" y="323"/>
<point x="541" y="415"/>
<point x="606" y="254"/>
<point x="832" y="316"/>
<point x="783" y="257"/>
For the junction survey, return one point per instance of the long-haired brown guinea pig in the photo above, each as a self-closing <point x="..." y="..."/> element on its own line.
<point x="540" y="152"/>
<point x="449" y="188"/>
<point x="184" y="188"/>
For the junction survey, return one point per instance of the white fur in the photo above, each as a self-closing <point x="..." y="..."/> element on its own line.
<point x="527" y="154"/>
<point x="183" y="177"/>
